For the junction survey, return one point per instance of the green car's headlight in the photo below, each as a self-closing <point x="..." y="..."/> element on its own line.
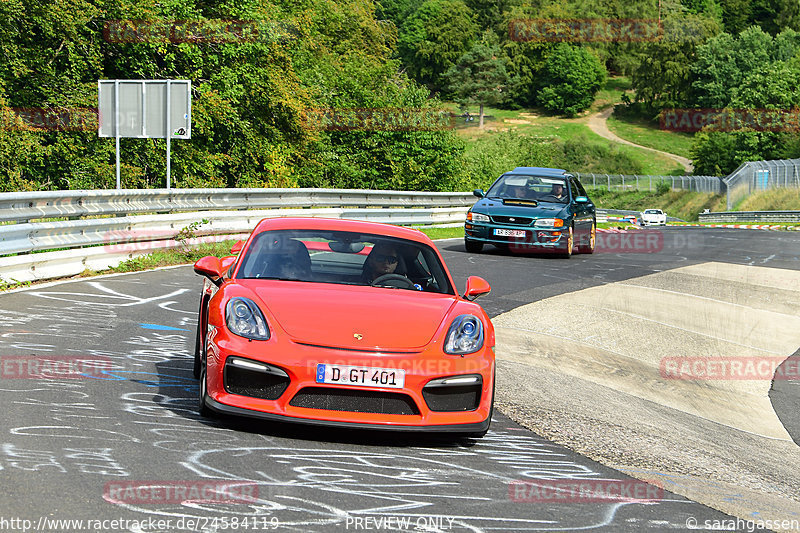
<point x="477" y="217"/>
<point x="549" y="222"/>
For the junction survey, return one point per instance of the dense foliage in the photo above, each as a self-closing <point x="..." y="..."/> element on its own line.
<point x="252" y="97"/>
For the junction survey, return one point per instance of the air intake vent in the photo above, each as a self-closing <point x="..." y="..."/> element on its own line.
<point x="356" y="401"/>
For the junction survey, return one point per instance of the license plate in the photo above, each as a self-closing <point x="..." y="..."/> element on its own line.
<point x="510" y="232"/>
<point x="362" y="376"/>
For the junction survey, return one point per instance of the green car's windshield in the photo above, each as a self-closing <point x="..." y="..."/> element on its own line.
<point x="523" y="187"/>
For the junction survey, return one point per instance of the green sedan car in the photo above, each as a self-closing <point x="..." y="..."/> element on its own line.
<point x="533" y="209"/>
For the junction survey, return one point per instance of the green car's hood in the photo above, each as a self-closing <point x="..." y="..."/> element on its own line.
<point x="490" y="206"/>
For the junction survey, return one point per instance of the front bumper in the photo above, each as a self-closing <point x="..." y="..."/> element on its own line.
<point x="542" y="238"/>
<point x="302" y="399"/>
<point x="654" y="222"/>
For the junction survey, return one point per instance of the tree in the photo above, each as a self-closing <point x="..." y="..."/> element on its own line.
<point x="569" y="80"/>
<point x="723" y="62"/>
<point x="479" y="77"/>
<point x="663" y="77"/>
<point x="433" y="38"/>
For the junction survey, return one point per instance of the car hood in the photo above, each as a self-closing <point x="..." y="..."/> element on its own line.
<point x="543" y="210"/>
<point x="336" y="315"/>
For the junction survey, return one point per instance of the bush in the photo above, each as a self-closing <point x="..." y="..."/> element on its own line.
<point x="500" y="152"/>
<point x="580" y="154"/>
<point x="570" y="79"/>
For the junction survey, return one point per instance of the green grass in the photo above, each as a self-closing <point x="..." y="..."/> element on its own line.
<point x="611" y="93"/>
<point x="644" y="132"/>
<point x="443" y="233"/>
<point x="575" y="146"/>
<point x="771" y="200"/>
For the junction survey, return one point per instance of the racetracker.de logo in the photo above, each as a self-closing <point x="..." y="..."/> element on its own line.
<point x="583" y="491"/>
<point x="53" y="366"/>
<point x="727" y="120"/>
<point x="585" y="30"/>
<point x="177" y="492"/>
<point x="730" y="368"/>
<point x="378" y="119"/>
<point x="633" y="242"/>
<point x="623" y="242"/>
<point x="211" y="31"/>
<point x="49" y="119"/>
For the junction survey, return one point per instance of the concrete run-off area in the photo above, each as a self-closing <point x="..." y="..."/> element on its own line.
<point x="599" y="375"/>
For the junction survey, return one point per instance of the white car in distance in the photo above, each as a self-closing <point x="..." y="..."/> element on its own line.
<point x="653" y="217"/>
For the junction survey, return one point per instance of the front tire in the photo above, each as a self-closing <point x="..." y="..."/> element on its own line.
<point x="589" y="248"/>
<point x="199" y="348"/>
<point x="570" y="248"/>
<point x="202" y="408"/>
<point x="473" y="247"/>
<point x="197" y="364"/>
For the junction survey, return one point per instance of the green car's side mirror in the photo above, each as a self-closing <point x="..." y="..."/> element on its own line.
<point x="581" y="200"/>
<point x="478" y="193"/>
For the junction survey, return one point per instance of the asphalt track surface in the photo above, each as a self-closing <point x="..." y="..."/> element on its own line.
<point x="70" y="448"/>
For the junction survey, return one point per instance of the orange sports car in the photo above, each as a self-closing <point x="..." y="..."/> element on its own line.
<point x="343" y="322"/>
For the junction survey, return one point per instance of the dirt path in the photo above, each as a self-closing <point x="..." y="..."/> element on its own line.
<point x="597" y="123"/>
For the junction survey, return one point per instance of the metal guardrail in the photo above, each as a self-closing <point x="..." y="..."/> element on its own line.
<point x="754" y="176"/>
<point x="27" y="206"/>
<point x="709" y="184"/>
<point x="114" y="232"/>
<point x="751" y="216"/>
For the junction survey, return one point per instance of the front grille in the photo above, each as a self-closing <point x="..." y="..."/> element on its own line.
<point x="515" y="221"/>
<point x="356" y="401"/>
<point x="454" y="398"/>
<point x="254" y="384"/>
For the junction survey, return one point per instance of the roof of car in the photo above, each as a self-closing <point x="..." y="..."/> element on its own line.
<point x="338" y="224"/>
<point x="539" y="171"/>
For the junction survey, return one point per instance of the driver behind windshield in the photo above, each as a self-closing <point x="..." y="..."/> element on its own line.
<point x="383" y="259"/>
<point x="517" y="191"/>
<point x="557" y="192"/>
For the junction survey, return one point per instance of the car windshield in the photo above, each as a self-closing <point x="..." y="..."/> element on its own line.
<point x="320" y="256"/>
<point x="653" y="212"/>
<point x="523" y="187"/>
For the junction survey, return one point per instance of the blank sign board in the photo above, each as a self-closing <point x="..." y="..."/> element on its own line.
<point x="141" y="108"/>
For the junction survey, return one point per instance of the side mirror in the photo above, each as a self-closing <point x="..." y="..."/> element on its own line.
<point x="237" y="247"/>
<point x="476" y="286"/>
<point x="581" y="200"/>
<point x="226" y="262"/>
<point x="210" y="267"/>
<point x="478" y="193"/>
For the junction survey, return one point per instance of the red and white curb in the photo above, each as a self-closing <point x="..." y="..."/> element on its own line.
<point x="770" y="227"/>
<point x="618" y="230"/>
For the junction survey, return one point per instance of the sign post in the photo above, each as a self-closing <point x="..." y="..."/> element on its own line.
<point x="145" y="109"/>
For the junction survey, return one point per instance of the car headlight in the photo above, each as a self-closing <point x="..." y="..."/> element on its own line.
<point x="464" y="336"/>
<point x="244" y="318"/>
<point x="551" y="222"/>
<point x="477" y="217"/>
